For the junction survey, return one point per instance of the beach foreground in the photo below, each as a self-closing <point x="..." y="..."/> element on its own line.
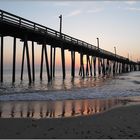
<point x="122" y="122"/>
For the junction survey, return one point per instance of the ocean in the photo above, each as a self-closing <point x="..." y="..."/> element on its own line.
<point x="66" y="98"/>
<point x="123" y="85"/>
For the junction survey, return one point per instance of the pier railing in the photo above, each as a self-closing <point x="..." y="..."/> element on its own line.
<point x="24" y="23"/>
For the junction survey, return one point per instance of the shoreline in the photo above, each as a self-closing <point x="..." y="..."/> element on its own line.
<point x="120" y="122"/>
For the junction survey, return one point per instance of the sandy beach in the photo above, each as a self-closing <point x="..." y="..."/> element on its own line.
<point x="121" y="122"/>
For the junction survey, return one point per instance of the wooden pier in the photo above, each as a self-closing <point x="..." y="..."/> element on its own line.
<point x="25" y="30"/>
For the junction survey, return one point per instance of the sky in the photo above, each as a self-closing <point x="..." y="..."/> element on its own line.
<point x="115" y="23"/>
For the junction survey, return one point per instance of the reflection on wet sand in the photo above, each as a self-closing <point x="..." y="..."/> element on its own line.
<point x="0" y="112"/>
<point x="55" y="109"/>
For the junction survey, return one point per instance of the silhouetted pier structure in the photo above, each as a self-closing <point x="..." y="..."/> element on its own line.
<point x="25" y="30"/>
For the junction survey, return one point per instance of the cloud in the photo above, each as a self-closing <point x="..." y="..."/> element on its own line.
<point x="131" y="2"/>
<point x="78" y="12"/>
<point x="74" y="13"/>
<point x="132" y="9"/>
<point x="95" y="10"/>
<point x="62" y="4"/>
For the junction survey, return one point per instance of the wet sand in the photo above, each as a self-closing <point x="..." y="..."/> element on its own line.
<point x="121" y="122"/>
<point x="57" y="109"/>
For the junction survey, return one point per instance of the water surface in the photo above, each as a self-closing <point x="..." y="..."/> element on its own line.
<point x="124" y="85"/>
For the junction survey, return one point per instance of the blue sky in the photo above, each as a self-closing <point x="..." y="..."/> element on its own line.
<point x="116" y="23"/>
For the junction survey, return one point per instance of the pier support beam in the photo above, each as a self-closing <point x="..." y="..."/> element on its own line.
<point x="63" y="62"/>
<point x="114" y="67"/>
<point x="1" y="59"/>
<point x="123" y="68"/>
<point x="94" y="63"/>
<point x="130" y="67"/>
<point x="28" y="60"/>
<point x="47" y="63"/>
<point x="81" y="71"/>
<point x="41" y="64"/>
<point x="14" y="59"/>
<point x="54" y="61"/>
<point x="73" y="64"/>
<point x="107" y="67"/>
<point x="103" y="67"/>
<point x="90" y="65"/>
<point x="44" y="50"/>
<point x="99" y="66"/>
<point x="87" y="68"/>
<point x="119" y="68"/>
<point x="33" y="62"/>
<point x="110" y="67"/>
<point x="135" y="68"/>
<point x="22" y="65"/>
<point x="51" y="68"/>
